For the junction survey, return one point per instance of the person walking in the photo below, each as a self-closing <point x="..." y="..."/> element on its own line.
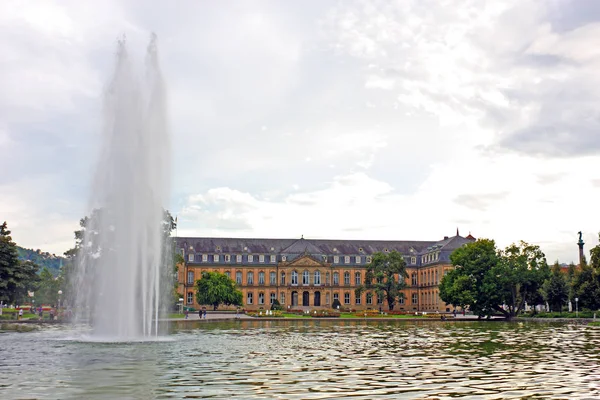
<point x="186" y="312"/>
<point x="20" y="313"/>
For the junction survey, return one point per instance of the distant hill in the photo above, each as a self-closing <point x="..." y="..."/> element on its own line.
<point x="42" y="258"/>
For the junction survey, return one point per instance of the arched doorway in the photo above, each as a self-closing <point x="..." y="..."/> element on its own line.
<point x="317" y="299"/>
<point x="305" y="299"/>
<point x="294" y="299"/>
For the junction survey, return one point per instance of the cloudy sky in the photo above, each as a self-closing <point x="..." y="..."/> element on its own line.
<point x="328" y="119"/>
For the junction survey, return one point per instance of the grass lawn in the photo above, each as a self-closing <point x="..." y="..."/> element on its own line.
<point x="174" y="316"/>
<point x="597" y="323"/>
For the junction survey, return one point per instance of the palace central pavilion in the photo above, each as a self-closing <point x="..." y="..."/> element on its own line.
<point x="311" y="274"/>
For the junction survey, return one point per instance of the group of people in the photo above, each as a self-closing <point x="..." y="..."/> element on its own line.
<point x="201" y="313"/>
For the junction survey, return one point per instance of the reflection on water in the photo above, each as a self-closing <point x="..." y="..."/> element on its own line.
<point x="310" y="359"/>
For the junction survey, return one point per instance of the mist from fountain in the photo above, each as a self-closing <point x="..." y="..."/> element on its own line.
<point x="122" y="258"/>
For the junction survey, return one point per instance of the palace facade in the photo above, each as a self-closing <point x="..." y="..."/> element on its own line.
<point x="308" y="274"/>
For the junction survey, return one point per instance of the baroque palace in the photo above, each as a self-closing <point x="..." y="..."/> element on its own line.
<point x="308" y="274"/>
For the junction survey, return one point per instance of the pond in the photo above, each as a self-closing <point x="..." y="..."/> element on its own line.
<point x="310" y="359"/>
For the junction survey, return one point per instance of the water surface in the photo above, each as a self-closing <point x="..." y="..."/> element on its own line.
<point x="310" y="359"/>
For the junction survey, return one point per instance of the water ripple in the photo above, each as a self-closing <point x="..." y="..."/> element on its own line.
<point x="312" y="360"/>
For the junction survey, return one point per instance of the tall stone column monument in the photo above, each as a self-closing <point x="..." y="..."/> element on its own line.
<point x="581" y="255"/>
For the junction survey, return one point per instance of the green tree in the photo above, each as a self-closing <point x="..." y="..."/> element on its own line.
<point x="476" y="279"/>
<point x="216" y="288"/>
<point x="48" y="287"/>
<point x="16" y="278"/>
<point x="524" y="271"/>
<point x="555" y="289"/>
<point x="385" y="276"/>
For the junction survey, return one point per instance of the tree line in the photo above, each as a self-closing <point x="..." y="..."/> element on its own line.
<point x="488" y="280"/>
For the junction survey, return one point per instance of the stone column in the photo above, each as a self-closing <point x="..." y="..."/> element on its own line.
<point x="581" y="255"/>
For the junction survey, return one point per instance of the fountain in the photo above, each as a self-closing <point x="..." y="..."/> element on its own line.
<point x="123" y="254"/>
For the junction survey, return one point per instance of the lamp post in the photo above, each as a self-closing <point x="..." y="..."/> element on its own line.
<point x="577" y="307"/>
<point x="181" y="305"/>
<point x="59" y="294"/>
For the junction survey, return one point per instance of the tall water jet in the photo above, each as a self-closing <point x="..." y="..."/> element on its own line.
<point x="123" y="253"/>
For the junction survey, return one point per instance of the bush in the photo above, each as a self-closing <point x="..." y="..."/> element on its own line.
<point x="336" y="304"/>
<point x="276" y="306"/>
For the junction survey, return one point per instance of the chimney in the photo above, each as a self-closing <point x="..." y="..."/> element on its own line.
<point x="445" y="237"/>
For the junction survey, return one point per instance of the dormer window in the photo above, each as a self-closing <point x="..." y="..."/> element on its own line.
<point x="334" y="250"/>
<point x="218" y="248"/>
<point x="283" y="258"/>
<point x="360" y="250"/>
<point x="215" y="258"/>
<point x="386" y="250"/>
<point x="413" y="260"/>
<point x="190" y="258"/>
<point x="336" y="259"/>
<point x="227" y="258"/>
<point x="250" y="258"/>
<point x="245" y="248"/>
<point x="324" y="258"/>
<point x="261" y="258"/>
<point x="358" y="259"/>
<point x="238" y="258"/>
<point x="369" y="259"/>
<point x="273" y="258"/>
<point x="204" y="257"/>
<point x="272" y="248"/>
<point x="347" y="259"/>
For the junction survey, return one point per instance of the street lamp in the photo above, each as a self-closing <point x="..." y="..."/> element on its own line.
<point x="181" y="305"/>
<point x="577" y="307"/>
<point x="59" y="294"/>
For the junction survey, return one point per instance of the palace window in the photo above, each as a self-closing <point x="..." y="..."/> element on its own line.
<point x="401" y="300"/>
<point x="249" y="298"/>
<point x="250" y="278"/>
<point x="414" y="279"/>
<point x="228" y="274"/>
<point x="336" y="296"/>
<point x="238" y="277"/>
<point x="324" y="258"/>
<point x="283" y="258"/>
<point x="357" y="300"/>
<point x="273" y="258"/>
<point x="190" y="258"/>
<point x="282" y="281"/>
<point x="346" y="278"/>
<point x="413" y="260"/>
<point x="347" y="259"/>
<point x="294" y="277"/>
<point x="190" y="277"/>
<point x="415" y="298"/>
<point x="238" y="258"/>
<point x="282" y="298"/>
<point x="437" y="281"/>
<point x="369" y="259"/>
<point x="261" y="258"/>
<point x="305" y="277"/>
<point x="261" y="298"/>
<point x="190" y="297"/>
<point x="317" y="278"/>
<point x="272" y="278"/>
<point x="227" y="258"/>
<point x="357" y="278"/>
<point x="204" y="257"/>
<point x="250" y="258"/>
<point x="327" y="278"/>
<point x="379" y="299"/>
<point x="358" y="259"/>
<point x="346" y="298"/>
<point x="327" y="298"/>
<point x="336" y="259"/>
<point x="261" y="278"/>
<point x="369" y="298"/>
<point x="215" y="258"/>
<point x="273" y="298"/>
<point x="336" y="278"/>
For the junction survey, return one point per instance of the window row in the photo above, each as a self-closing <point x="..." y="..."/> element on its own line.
<point x="261" y="258"/>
